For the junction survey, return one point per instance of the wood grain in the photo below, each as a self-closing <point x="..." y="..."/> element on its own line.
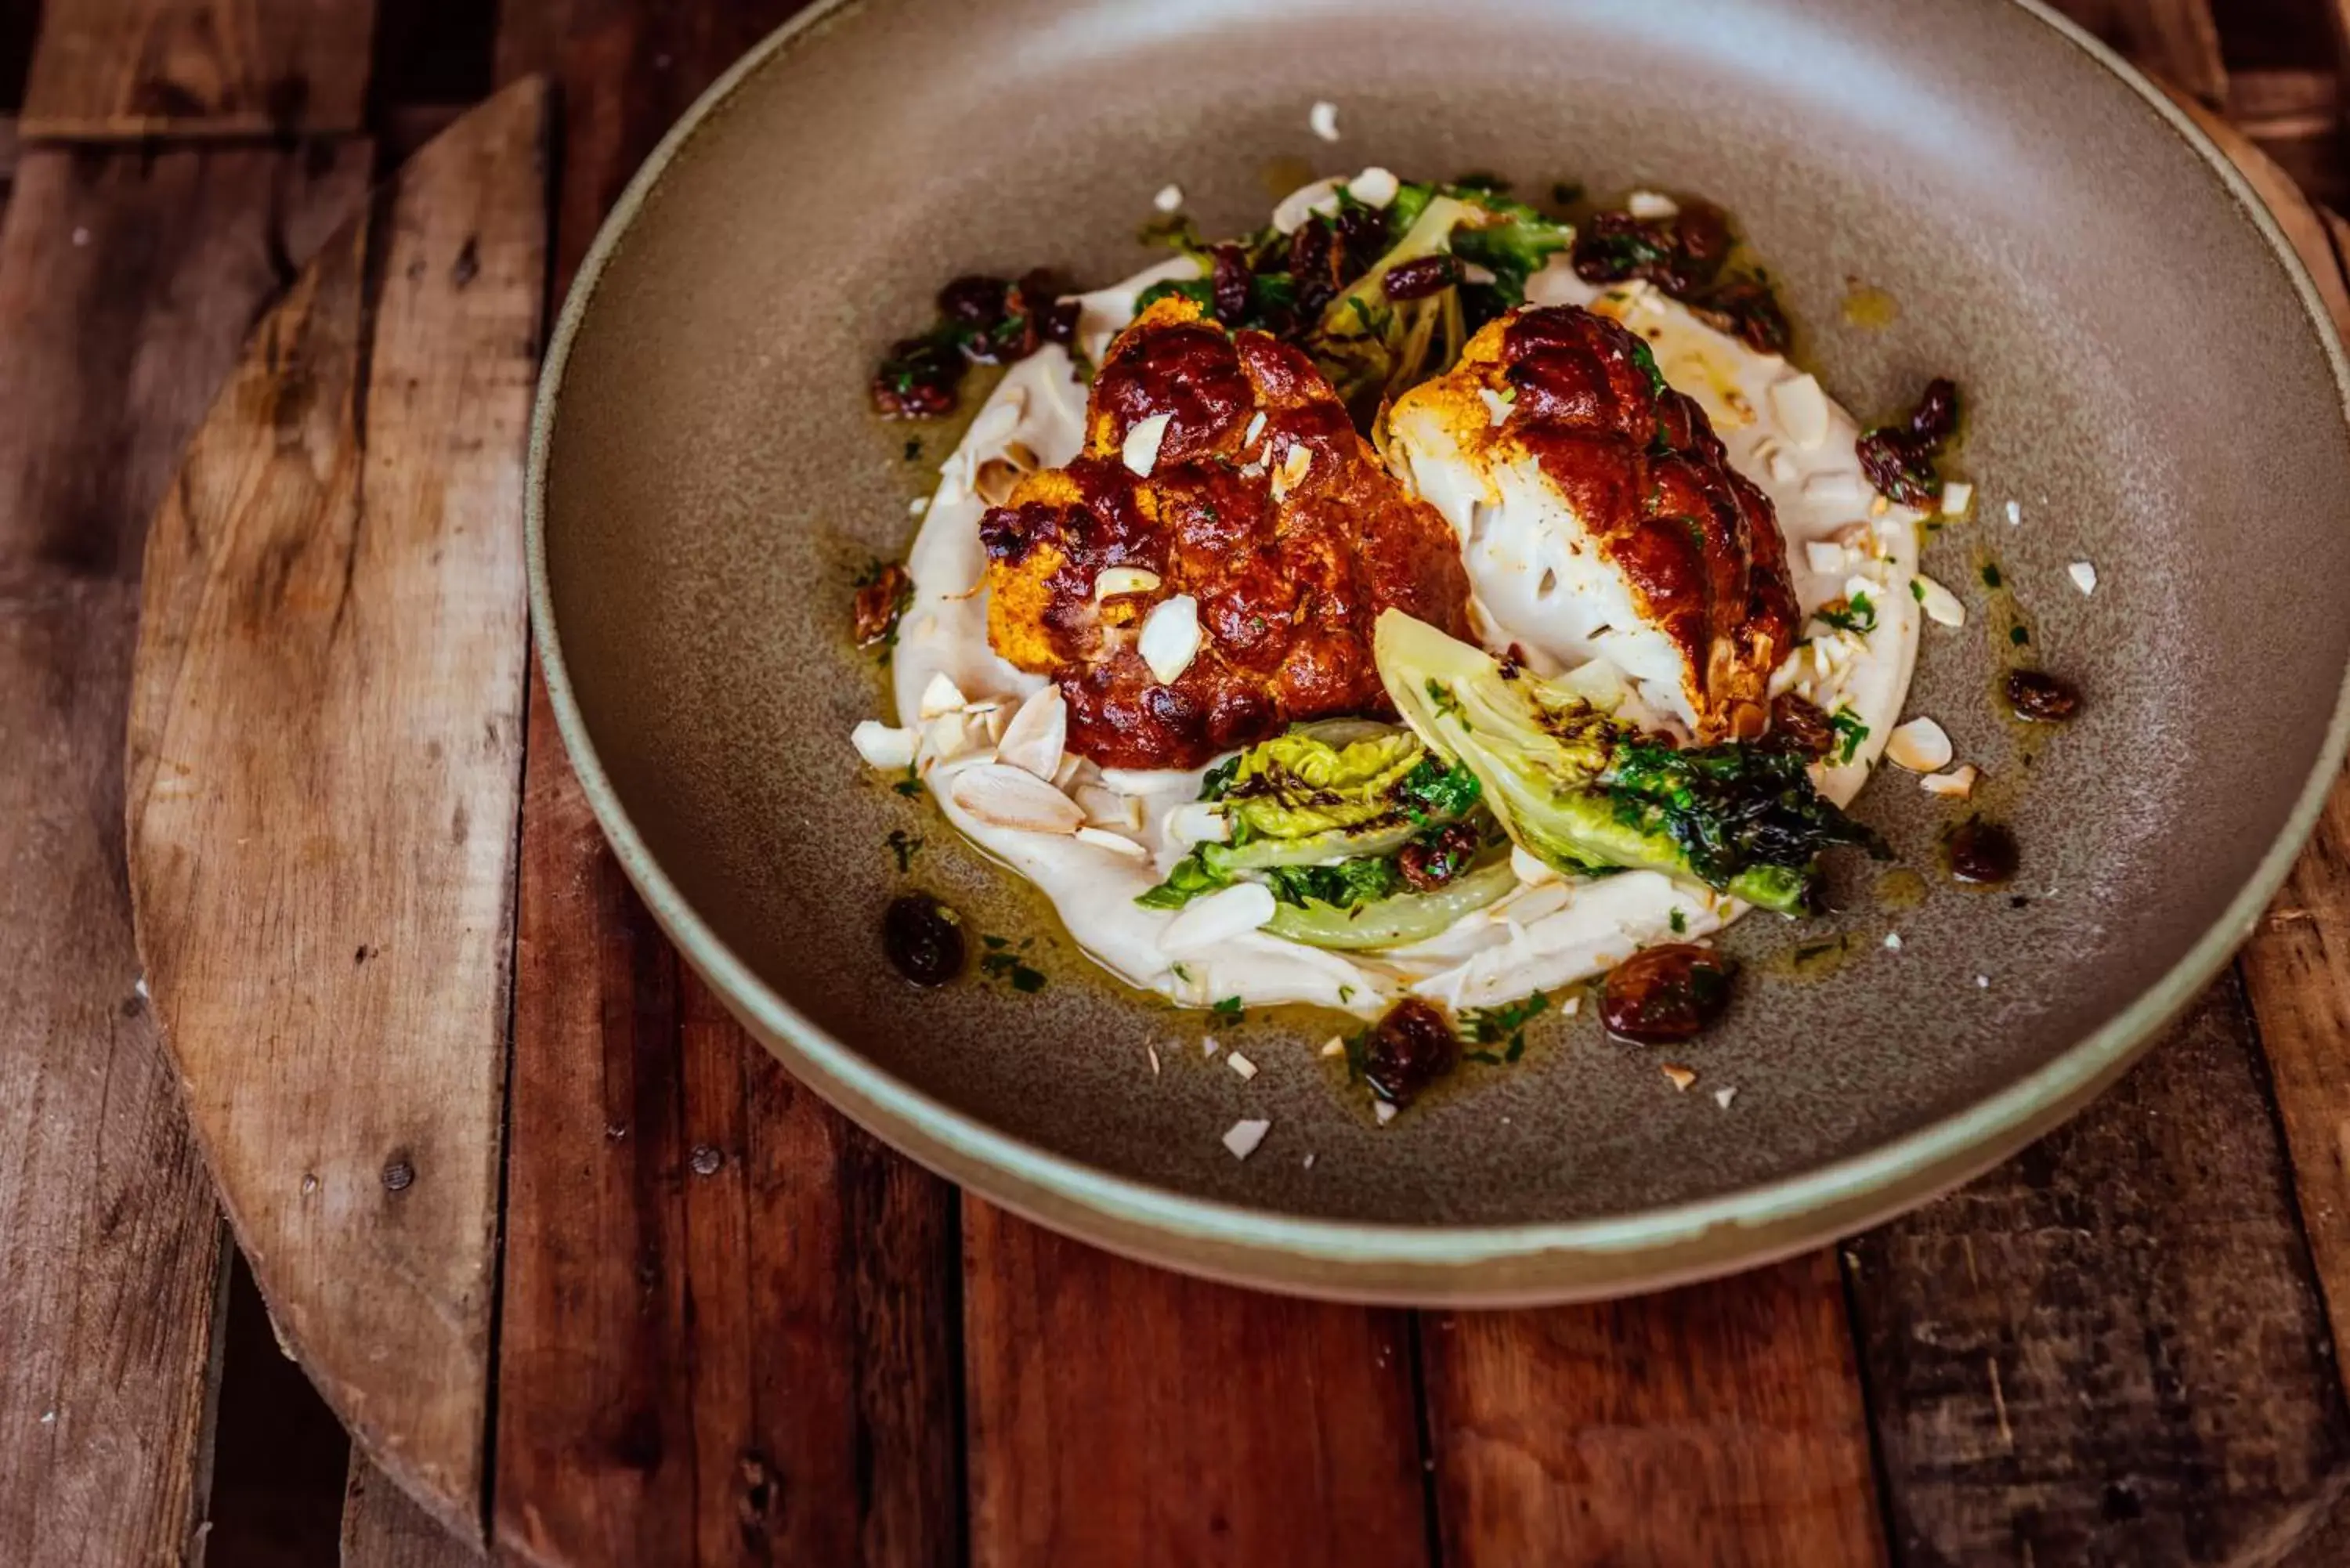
<point x="727" y="1314"/>
<point x="125" y="288"/>
<point x="1721" y="1424"/>
<point x="2175" y="40"/>
<point x="384" y="1528"/>
<point x="1118" y="1413"/>
<point x="2111" y="1350"/>
<point x="325" y="761"/>
<point x="133" y="68"/>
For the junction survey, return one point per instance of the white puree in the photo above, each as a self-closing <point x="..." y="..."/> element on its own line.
<point x="1544" y="935"/>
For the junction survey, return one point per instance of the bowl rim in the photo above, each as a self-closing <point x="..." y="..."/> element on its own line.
<point x="1385" y="1260"/>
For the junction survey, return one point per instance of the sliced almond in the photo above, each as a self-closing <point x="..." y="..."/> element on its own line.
<point x="1073" y="768"/>
<point x="2084" y="576"/>
<point x="1680" y="1077"/>
<point x="1226" y="913"/>
<point x="1255" y="429"/>
<point x="1334" y="1046"/>
<point x="1101" y="838"/>
<point x="1941" y="605"/>
<point x="1037" y="735"/>
<point x="1295" y="464"/>
<point x="1920" y="745"/>
<point x="1383" y="1111"/>
<point x="1532" y="870"/>
<point x="1497" y="406"/>
<point x="1648" y="204"/>
<point x="1242" y="1137"/>
<point x="1373" y="187"/>
<point x="1171" y="638"/>
<point x="1013" y="797"/>
<point x="882" y="745"/>
<point x="1825" y="556"/>
<point x="1957" y="496"/>
<point x="1108" y="807"/>
<point x="1139" y="451"/>
<point x="1802" y="408"/>
<point x="1241" y="1065"/>
<point x="1956" y="785"/>
<point x="1112" y="581"/>
<point x="951" y="735"/>
<point x="942" y="695"/>
<point x="1169" y="198"/>
<point x="1322" y="120"/>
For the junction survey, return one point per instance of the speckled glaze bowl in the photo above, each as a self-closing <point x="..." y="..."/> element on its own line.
<point x="2150" y="383"/>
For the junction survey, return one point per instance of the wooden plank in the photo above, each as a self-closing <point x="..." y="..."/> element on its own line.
<point x="726" y="1313"/>
<point x="125" y="287"/>
<point x="2174" y="40"/>
<point x="325" y="762"/>
<point x="2285" y="103"/>
<point x="1721" y="1423"/>
<point x="132" y="69"/>
<point x="1120" y="1414"/>
<point x="384" y="1528"/>
<point x="2111" y="1350"/>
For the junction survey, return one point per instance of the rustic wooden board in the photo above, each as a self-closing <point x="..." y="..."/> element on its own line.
<point x="325" y="759"/>
<point x="1120" y="1414"/>
<point x="1721" y="1424"/>
<point x="125" y="288"/>
<point x="727" y="1313"/>
<point x="2176" y="40"/>
<point x="133" y="68"/>
<point x="2111" y="1350"/>
<point x="384" y="1528"/>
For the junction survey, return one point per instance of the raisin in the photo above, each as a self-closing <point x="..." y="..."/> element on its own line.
<point x="1228" y="284"/>
<point x="1420" y="276"/>
<point x="974" y="300"/>
<point x="1799" y="726"/>
<point x="923" y="939"/>
<point x="1664" y="995"/>
<point x="1983" y="852"/>
<point x="1432" y="860"/>
<point x="1410" y="1049"/>
<point x="2041" y="698"/>
<point x="878" y="602"/>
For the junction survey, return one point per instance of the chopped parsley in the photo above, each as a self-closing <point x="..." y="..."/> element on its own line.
<point x="1918" y="591"/>
<point x="1565" y="193"/>
<point x="1680" y="923"/>
<point x="904" y="845"/>
<point x="1504" y="1026"/>
<point x="1227" y="1010"/>
<point x="2018" y="636"/>
<point x="911" y="784"/>
<point x="1857" y="615"/>
<point x="913" y="450"/>
<point x="1003" y="962"/>
<point x="1434" y="791"/>
<point x="1849" y="729"/>
<point x="1991" y="577"/>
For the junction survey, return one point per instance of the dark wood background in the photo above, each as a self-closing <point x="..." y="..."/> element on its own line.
<point x="2117" y="1349"/>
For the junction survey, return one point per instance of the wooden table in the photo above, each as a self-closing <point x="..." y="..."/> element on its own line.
<point x="627" y="1293"/>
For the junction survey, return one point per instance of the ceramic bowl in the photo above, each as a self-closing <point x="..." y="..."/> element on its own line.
<point x="2150" y="387"/>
